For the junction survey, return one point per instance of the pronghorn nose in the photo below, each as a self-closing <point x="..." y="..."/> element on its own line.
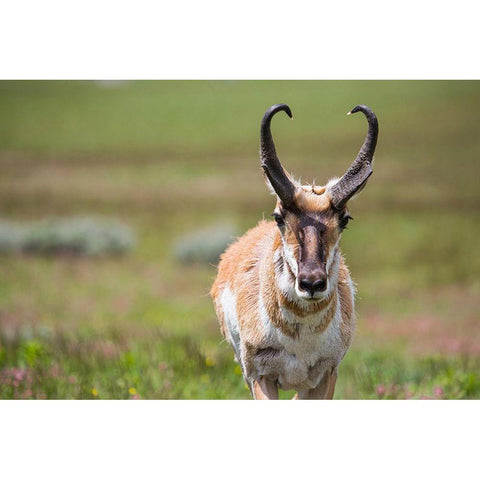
<point x="313" y="284"/>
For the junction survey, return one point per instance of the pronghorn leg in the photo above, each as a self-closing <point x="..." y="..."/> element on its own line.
<point x="331" y="387"/>
<point x="265" y="388"/>
<point x="324" y="390"/>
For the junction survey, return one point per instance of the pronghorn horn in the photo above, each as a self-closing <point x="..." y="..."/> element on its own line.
<point x="356" y="176"/>
<point x="271" y="165"/>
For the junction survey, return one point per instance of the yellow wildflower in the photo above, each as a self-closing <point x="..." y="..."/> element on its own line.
<point x="209" y="361"/>
<point x="94" y="392"/>
<point x="132" y="391"/>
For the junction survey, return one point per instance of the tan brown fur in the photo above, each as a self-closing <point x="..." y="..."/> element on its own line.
<point x="239" y="267"/>
<point x="309" y="199"/>
<point x="264" y="389"/>
<point x="324" y="390"/>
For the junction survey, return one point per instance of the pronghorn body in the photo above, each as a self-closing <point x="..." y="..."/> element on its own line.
<point x="283" y="294"/>
<point x="274" y="335"/>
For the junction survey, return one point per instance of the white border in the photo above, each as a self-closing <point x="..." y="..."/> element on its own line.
<point x="251" y="39"/>
<point x="239" y="439"/>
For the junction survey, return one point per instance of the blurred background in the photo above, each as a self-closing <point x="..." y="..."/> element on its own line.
<point x="117" y="197"/>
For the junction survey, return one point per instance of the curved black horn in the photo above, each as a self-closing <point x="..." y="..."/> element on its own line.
<point x="271" y="165"/>
<point x="356" y="176"/>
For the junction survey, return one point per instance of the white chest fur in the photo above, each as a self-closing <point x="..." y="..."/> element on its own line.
<point x="300" y="362"/>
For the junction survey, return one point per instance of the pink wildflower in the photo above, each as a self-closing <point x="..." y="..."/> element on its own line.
<point x="18" y="374"/>
<point x="438" y="391"/>
<point x="380" y="389"/>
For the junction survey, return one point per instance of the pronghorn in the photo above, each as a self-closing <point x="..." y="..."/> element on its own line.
<point x="283" y="294"/>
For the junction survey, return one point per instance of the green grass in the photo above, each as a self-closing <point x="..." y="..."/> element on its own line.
<point x="158" y="364"/>
<point x="170" y="158"/>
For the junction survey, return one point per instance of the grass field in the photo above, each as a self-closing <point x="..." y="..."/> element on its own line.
<point x="170" y="158"/>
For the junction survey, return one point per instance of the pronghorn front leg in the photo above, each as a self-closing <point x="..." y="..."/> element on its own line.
<point x="324" y="390"/>
<point x="331" y="386"/>
<point x="265" y="388"/>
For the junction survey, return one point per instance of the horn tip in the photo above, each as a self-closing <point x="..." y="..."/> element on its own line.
<point x="279" y="107"/>
<point x="358" y="108"/>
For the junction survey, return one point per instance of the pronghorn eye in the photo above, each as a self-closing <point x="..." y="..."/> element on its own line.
<point x="279" y="219"/>
<point x="344" y="221"/>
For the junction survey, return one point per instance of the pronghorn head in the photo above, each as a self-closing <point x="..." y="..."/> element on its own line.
<point x="311" y="218"/>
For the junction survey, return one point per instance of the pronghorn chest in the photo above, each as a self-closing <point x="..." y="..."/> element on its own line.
<point x="300" y="361"/>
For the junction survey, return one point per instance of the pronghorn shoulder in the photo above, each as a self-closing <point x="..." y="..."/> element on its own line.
<point x="243" y="256"/>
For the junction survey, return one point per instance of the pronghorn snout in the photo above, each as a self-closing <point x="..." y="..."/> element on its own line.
<point x="313" y="282"/>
